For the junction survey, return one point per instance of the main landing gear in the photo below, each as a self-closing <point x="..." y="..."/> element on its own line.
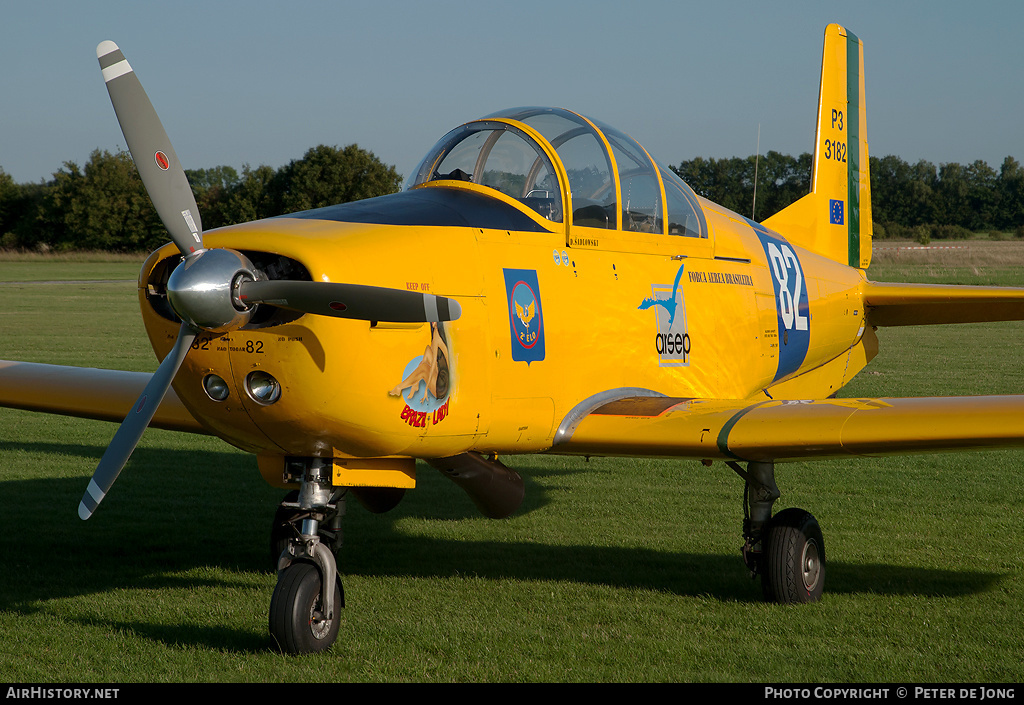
<point x="304" y="610"/>
<point x="787" y="550"/>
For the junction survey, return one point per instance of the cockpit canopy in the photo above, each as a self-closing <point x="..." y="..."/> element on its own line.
<point x="609" y="180"/>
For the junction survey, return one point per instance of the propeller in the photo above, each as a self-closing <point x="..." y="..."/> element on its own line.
<point x="368" y="303"/>
<point x="131" y="429"/>
<point x="151" y="150"/>
<point x="216" y="289"/>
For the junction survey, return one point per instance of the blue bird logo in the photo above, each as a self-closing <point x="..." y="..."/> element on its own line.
<point x="668" y="304"/>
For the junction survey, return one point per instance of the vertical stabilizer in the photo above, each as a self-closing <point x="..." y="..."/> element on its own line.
<point x="834" y="219"/>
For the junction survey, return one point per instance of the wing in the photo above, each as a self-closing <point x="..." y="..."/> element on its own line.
<point x="729" y="429"/>
<point x="107" y="395"/>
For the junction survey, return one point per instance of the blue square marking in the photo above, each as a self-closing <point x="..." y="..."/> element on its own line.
<point x="835" y="211"/>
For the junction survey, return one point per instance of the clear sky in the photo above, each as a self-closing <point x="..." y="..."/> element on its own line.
<point x="260" y="82"/>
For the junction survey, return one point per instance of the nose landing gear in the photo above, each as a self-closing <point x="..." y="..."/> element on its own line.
<point x="304" y="608"/>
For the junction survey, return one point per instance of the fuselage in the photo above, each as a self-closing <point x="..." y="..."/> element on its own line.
<point x="554" y="313"/>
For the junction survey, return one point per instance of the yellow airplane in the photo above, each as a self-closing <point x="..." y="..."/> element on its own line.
<point x="542" y="286"/>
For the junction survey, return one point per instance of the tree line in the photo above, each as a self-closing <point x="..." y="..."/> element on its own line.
<point x="104" y="206"/>
<point x="907" y="200"/>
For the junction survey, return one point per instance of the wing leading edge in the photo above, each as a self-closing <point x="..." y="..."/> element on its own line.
<point x="777" y="430"/>
<point x="106" y="395"/>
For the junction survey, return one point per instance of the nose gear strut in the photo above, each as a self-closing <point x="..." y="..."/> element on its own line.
<point x="304" y="607"/>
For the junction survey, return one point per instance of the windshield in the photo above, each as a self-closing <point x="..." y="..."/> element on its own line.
<point x="498" y="156"/>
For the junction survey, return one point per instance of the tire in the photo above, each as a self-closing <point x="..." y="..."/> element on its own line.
<point x="295" y="622"/>
<point x="793" y="558"/>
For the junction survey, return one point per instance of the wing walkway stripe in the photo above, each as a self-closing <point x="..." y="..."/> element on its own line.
<point x="723" y="435"/>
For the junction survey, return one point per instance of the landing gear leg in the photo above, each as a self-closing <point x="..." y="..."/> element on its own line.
<point x="304" y="609"/>
<point x="287" y="524"/>
<point x="787" y="550"/>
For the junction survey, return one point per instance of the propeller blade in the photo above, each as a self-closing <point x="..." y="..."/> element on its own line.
<point x="358" y="301"/>
<point x="131" y="429"/>
<point x="151" y="150"/>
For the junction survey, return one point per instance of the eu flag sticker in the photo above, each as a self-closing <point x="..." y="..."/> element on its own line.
<point x="525" y="315"/>
<point x="835" y="212"/>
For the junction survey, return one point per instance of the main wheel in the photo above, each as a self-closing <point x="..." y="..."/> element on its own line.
<point x="793" y="558"/>
<point x="297" y="621"/>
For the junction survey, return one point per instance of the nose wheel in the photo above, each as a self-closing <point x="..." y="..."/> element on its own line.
<point x="299" y="621"/>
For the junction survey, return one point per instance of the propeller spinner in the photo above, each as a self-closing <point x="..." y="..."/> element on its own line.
<point x="216" y="289"/>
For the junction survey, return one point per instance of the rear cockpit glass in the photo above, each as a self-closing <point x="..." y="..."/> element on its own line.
<point x="638" y="182"/>
<point x="684" y="214"/>
<point x="498" y="156"/>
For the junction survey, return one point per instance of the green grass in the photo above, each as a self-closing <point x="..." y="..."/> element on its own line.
<point x="31" y="266"/>
<point x="976" y="262"/>
<point x="614" y="569"/>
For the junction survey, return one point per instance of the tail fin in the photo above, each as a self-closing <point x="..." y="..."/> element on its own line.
<point x="834" y="219"/>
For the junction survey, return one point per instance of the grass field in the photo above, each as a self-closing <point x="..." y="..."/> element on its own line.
<point x="614" y="570"/>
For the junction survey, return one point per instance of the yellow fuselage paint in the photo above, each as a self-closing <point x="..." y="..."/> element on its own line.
<point x="339" y="376"/>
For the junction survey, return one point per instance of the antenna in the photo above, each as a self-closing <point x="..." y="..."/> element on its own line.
<point x="757" y="158"/>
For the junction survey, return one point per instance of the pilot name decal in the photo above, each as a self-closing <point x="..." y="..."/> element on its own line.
<point x="428" y="379"/>
<point x="525" y="315"/>
<point x="671" y="337"/>
<point x="791" y="304"/>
